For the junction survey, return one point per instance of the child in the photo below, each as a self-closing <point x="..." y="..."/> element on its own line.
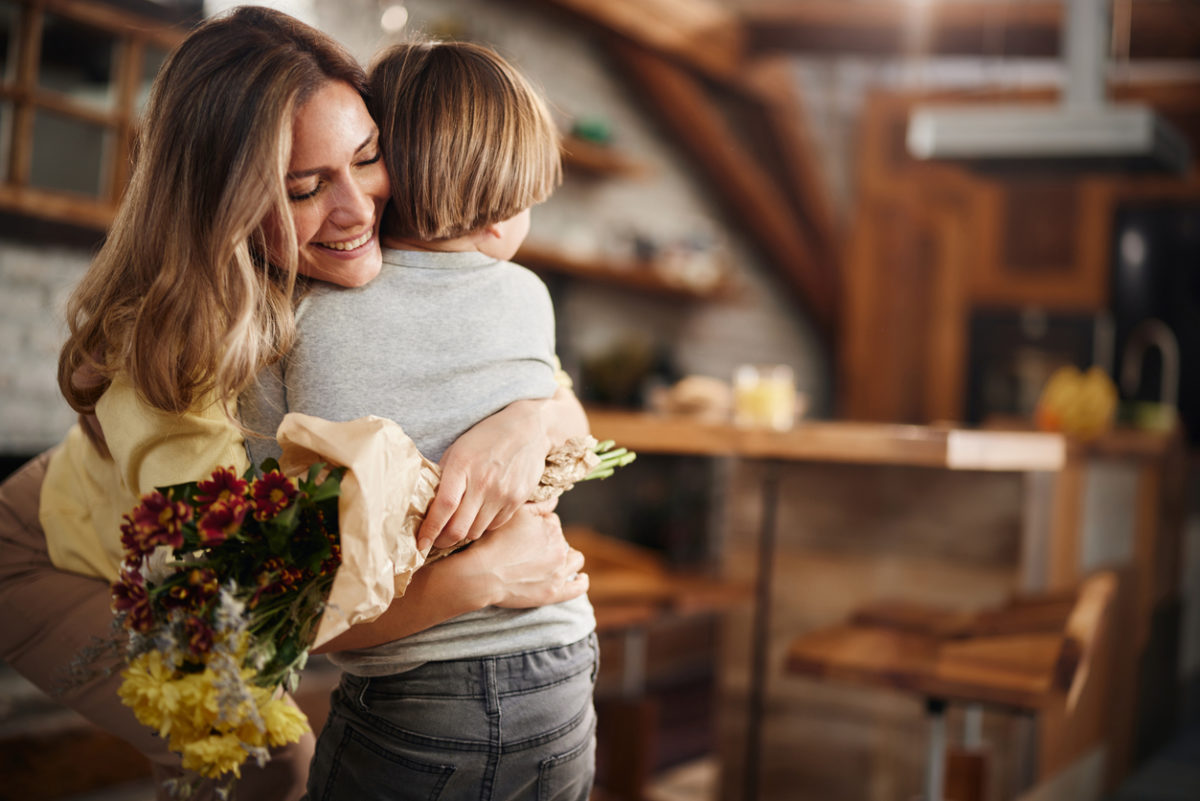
<point x="494" y="704"/>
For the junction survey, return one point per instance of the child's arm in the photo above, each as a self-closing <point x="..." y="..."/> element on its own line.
<point x="522" y="564"/>
<point x="492" y="469"/>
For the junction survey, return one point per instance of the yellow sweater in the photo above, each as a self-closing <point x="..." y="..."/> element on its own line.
<point x="85" y="494"/>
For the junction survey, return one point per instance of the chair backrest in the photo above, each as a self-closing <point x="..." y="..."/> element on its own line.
<point x="1093" y="606"/>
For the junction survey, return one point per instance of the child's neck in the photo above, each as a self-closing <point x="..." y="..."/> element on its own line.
<point x="462" y="244"/>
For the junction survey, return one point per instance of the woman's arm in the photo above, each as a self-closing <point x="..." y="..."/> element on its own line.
<point x="524" y="563"/>
<point x="492" y="469"/>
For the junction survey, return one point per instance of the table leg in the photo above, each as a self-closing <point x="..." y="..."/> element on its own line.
<point x="761" y="630"/>
<point x="935" y="762"/>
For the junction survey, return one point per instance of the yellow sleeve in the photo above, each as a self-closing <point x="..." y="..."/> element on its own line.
<point x="85" y="494"/>
<point x="561" y="376"/>
<point x="153" y="448"/>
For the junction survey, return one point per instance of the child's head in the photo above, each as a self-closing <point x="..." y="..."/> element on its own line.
<point x="467" y="140"/>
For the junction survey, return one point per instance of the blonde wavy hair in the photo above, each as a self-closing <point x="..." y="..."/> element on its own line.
<point x="181" y="297"/>
<point x="466" y="139"/>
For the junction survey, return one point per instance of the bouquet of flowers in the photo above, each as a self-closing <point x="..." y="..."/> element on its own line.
<point x="222" y="584"/>
<point x="228" y="582"/>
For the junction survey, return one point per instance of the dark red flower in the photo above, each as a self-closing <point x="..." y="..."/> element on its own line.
<point x="156" y="521"/>
<point x="272" y="494"/>
<point x="331" y="564"/>
<point x="224" y="485"/>
<point x="203" y="581"/>
<point x="129" y="596"/>
<point x="196" y="590"/>
<point x="199" y="635"/>
<point x="223" y="518"/>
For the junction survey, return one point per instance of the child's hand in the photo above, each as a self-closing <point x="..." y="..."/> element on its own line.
<point x="487" y="474"/>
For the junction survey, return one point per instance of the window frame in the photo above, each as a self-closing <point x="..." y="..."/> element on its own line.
<point x="133" y="32"/>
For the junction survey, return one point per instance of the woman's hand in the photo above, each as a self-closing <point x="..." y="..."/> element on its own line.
<point x="491" y="470"/>
<point x="526" y="562"/>
<point x="522" y="564"/>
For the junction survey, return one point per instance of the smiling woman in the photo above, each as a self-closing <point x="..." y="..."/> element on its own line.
<point x="337" y="186"/>
<point x="258" y="163"/>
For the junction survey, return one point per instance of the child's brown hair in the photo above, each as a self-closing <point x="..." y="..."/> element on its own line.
<point x="467" y="140"/>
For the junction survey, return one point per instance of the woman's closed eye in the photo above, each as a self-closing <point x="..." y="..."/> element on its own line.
<point x="298" y="194"/>
<point x="369" y="160"/>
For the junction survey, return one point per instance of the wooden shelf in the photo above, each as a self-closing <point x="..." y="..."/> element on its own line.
<point x="600" y="160"/>
<point x="636" y="275"/>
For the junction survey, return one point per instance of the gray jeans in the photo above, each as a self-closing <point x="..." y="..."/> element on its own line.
<point x="518" y="727"/>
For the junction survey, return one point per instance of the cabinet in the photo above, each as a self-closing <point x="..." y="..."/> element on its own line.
<point x="935" y="245"/>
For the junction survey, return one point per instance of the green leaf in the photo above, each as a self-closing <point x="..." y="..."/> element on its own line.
<point x="331" y="487"/>
<point x="288" y="518"/>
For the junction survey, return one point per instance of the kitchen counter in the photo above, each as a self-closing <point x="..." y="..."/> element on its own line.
<point x="829" y="441"/>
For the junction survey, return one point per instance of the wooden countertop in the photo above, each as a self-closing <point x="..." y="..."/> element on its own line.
<point x="829" y="441"/>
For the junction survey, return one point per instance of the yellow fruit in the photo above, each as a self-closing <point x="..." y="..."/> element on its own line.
<point x="1080" y="404"/>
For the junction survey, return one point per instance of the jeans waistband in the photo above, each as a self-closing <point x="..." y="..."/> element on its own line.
<point x="512" y="673"/>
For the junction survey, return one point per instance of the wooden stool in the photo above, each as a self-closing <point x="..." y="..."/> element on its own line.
<point x="1025" y="656"/>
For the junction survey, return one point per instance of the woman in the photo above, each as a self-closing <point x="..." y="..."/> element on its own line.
<point x="257" y="163"/>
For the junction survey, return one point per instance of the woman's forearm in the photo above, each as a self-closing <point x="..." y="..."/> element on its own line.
<point x="435" y="594"/>
<point x="522" y="564"/>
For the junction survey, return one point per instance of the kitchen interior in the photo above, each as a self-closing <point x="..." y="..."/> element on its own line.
<point x="898" y="302"/>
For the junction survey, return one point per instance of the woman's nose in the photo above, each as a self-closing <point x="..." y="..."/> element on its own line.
<point x="355" y="205"/>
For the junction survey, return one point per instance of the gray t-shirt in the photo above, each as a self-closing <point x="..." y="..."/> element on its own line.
<point x="437" y="342"/>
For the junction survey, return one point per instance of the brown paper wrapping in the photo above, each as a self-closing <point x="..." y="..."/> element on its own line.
<point x="387" y="487"/>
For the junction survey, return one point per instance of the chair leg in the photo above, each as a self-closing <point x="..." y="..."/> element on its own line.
<point x="935" y="760"/>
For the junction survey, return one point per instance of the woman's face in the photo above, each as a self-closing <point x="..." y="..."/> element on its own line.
<point x="337" y="186"/>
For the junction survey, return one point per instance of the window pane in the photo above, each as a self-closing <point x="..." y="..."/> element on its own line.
<point x="69" y="154"/>
<point x="152" y="61"/>
<point x="78" y="60"/>
<point x="10" y="26"/>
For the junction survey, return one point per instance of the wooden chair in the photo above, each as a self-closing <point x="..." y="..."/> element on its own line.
<point x="1026" y="656"/>
<point x="634" y="593"/>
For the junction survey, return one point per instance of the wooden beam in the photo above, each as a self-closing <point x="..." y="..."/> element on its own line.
<point x="774" y="89"/>
<point x="741" y="181"/>
<point x="702" y="34"/>
<point x="1168" y="29"/>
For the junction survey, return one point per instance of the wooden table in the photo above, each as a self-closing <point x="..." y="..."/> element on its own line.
<point x="842" y="442"/>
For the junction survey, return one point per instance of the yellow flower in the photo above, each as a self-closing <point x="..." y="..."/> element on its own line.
<point x="198" y="709"/>
<point x="149" y="690"/>
<point x="285" y="722"/>
<point x="213" y="755"/>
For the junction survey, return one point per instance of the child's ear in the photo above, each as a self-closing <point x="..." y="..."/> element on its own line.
<point x="492" y="230"/>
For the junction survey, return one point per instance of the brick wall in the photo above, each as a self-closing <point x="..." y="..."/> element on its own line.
<point x="34" y="284"/>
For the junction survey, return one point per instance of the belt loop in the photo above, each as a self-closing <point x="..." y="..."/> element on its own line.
<point x="492" y="701"/>
<point x="362" y="693"/>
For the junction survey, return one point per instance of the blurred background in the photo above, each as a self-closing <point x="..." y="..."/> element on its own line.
<point x="917" y="213"/>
